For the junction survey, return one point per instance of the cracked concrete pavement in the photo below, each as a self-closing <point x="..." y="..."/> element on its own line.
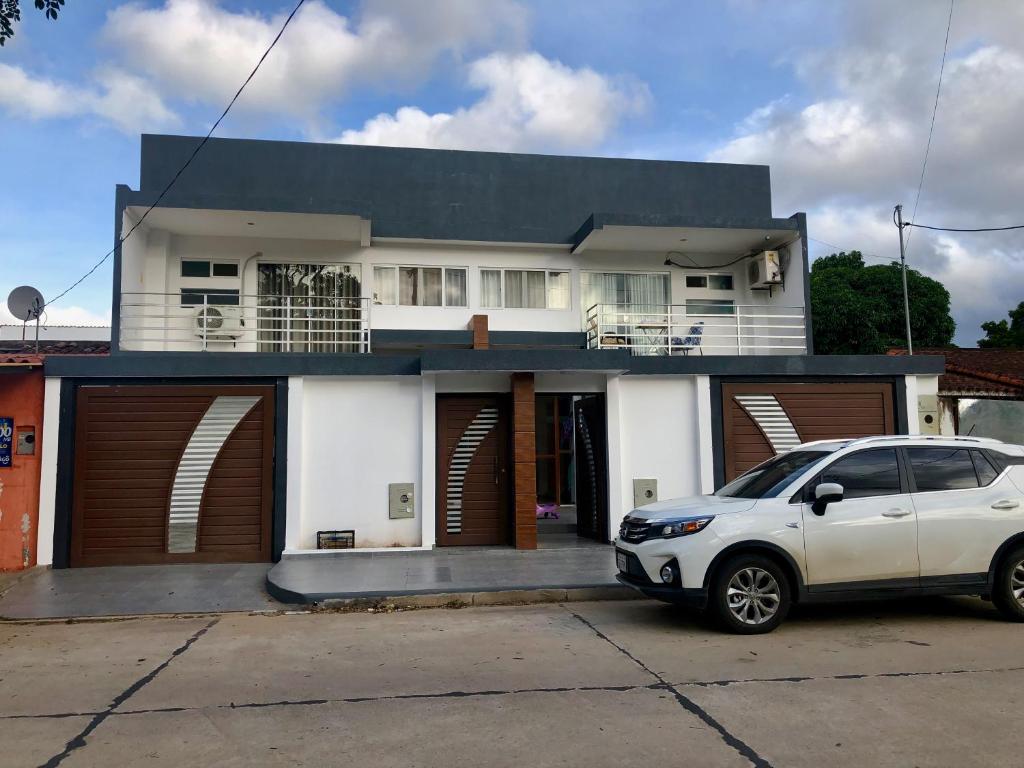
<point x="926" y="683"/>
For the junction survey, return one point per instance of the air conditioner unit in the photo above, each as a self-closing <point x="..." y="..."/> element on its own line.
<point x="220" y="323"/>
<point x="763" y="270"/>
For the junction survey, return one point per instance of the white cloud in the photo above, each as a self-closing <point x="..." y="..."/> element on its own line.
<point x="853" y="146"/>
<point x="115" y="96"/>
<point x="199" y="52"/>
<point x="529" y="103"/>
<point x="57" y="315"/>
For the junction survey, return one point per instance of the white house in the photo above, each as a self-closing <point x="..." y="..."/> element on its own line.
<point x="326" y="345"/>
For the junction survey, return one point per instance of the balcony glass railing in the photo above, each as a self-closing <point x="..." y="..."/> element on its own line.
<point x="713" y="328"/>
<point x="213" y="320"/>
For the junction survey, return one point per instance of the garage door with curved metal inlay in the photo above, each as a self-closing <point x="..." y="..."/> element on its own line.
<point x="172" y="474"/>
<point x="764" y="419"/>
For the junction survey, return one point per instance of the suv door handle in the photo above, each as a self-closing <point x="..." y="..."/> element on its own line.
<point x="1006" y="504"/>
<point x="896" y="512"/>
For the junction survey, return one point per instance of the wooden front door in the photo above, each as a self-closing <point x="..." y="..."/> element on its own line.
<point x="472" y="471"/>
<point x="172" y="474"/>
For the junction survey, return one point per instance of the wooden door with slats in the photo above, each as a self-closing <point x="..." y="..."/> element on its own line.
<point x="763" y="419"/>
<point x="172" y="474"/>
<point x="472" y="476"/>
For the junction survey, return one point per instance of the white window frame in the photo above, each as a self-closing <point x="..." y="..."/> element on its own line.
<point x="234" y="262"/>
<point x="546" y="271"/>
<point x="707" y="281"/>
<point x="394" y="273"/>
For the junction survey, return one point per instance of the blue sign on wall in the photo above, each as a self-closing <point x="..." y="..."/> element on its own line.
<point x="6" y="438"/>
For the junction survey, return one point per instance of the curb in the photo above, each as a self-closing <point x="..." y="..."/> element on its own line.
<point x="475" y="599"/>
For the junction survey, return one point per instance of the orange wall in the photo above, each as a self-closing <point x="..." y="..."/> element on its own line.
<point x="21" y="397"/>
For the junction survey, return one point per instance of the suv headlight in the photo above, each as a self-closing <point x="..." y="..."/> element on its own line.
<point x="677" y="526"/>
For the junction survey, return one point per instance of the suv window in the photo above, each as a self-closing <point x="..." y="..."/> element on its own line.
<point x="942" y="469"/>
<point x="865" y="473"/>
<point x="986" y="472"/>
<point x="772" y="476"/>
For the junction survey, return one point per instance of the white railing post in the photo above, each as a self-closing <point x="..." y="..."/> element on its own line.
<point x="206" y="319"/>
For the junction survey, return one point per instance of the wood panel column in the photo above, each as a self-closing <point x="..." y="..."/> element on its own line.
<point x="524" y="441"/>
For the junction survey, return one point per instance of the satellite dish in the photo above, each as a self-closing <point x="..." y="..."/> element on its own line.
<point x="25" y="303"/>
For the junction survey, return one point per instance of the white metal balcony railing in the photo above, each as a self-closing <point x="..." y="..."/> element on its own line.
<point x="714" y="329"/>
<point x="220" y="321"/>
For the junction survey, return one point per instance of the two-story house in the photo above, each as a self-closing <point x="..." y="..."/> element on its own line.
<point x="318" y="345"/>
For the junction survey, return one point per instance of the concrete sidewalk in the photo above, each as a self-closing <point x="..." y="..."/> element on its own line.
<point x="134" y="590"/>
<point x="455" y="571"/>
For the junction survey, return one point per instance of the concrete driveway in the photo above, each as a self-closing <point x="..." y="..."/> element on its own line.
<point x="931" y="683"/>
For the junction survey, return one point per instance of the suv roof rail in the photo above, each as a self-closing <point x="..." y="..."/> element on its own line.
<point x="926" y="437"/>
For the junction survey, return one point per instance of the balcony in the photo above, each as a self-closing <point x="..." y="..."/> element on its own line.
<point x="225" y="321"/>
<point x="697" y="329"/>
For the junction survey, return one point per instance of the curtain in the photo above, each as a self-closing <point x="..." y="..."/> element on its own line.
<point x="535" y="291"/>
<point x="455" y="287"/>
<point x="490" y="288"/>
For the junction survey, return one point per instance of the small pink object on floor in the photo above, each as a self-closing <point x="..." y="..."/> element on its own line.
<point x="547" y="510"/>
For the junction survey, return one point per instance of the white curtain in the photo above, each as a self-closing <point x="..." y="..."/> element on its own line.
<point x="490" y="288"/>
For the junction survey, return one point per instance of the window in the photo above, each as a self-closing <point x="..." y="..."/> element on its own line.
<point x="710" y="307"/>
<point x="772" y="476"/>
<point x="524" y="289"/>
<point x="986" y="472"/>
<point x="309" y="308"/>
<point x="225" y="269"/>
<point x="714" y="282"/>
<point x="195" y="268"/>
<point x="197" y="297"/>
<point x="192" y="268"/>
<point x="633" y="292"/>
<point x="865" y="473"/>
<point x="942" y="469"/>
<point x="490" y="288"/>
<point x="410" y="286"/>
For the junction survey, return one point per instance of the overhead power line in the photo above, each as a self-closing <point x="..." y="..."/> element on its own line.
<point x="840" y="248"/>
<point x="931" y="127"/>
<point x="186" y="164"/>
<point x="962" y="229"/>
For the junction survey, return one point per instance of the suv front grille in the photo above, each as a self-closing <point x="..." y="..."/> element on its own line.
<point x="634" y="530"/>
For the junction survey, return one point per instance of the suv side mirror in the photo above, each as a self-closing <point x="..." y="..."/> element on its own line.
<point x="825" y="494"/>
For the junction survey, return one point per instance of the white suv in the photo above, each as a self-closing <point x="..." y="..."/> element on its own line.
<point x="833" y="520"/>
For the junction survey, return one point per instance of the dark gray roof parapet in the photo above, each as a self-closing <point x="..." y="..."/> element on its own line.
<point x="448" y="194"/>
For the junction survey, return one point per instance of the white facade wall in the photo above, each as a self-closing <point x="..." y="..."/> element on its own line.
<point x="356" y="436"/>
<point x="152" y="265"/>
<point x="658" y="434"/>
<point x="48" y="471"/>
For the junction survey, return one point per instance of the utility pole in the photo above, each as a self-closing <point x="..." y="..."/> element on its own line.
<point x="903" y="262"/>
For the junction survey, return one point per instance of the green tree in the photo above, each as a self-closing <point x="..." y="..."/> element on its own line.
<point x="858" y="309"/>
<point x="10" y="13"/>
<point x="1005" y="335"/>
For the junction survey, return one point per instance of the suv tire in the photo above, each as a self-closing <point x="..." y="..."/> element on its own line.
<point x="750" y="595"/>
<point x="1010" y="580"/>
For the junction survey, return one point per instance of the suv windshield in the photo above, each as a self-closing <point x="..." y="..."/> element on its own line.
<point x="769" y="478"/>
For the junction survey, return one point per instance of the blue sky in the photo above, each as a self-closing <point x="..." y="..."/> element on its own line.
<point x="836" y="97"/>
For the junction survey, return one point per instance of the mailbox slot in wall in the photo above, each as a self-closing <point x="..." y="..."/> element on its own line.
<point x="645" y="491"/>
<point x="401" y="500"/>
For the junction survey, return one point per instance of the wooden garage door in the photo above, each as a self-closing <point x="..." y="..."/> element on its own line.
<point x="760" y="420"/>
<point x="472" y="484"/>
<point x="172" y="475"/>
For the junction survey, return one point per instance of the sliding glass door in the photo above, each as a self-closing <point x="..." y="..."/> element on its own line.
<point x="310" y="308"/>
<point x="632" y="307"/>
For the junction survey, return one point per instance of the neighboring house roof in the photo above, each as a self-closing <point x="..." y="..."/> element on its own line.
<point x="15" y="349"/>
<point x="978" y="372"/>
<point x="448" y="194"/>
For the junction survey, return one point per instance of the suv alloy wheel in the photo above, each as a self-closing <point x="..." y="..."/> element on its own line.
<point x="1008" y="594"/>
<point x="750" y="595"/>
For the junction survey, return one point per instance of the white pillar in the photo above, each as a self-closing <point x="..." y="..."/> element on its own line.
<point x="705" y="438"/>
<point x="913" y="425"/>
<point x="294" y="513"/>
<point x="48" y="472"/>
<point x="428" y="470"/>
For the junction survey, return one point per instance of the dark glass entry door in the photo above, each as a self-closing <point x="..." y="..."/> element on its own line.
<point x="591" y="467"/>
